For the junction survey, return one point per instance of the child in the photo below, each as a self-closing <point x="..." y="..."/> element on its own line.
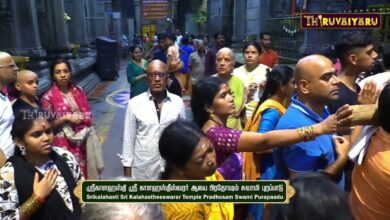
<point x="173" y="53"/>
<point x="27" y="85"/>
<point x="173" y="62"/>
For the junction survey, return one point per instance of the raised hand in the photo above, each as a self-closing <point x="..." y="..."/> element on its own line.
<point x="342" y="118"/>
<point x="369" y="94"/>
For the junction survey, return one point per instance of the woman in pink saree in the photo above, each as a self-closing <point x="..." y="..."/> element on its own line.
<point x="67" y="104"/>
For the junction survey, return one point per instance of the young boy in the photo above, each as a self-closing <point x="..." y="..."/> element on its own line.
<point x="27" y="85"/>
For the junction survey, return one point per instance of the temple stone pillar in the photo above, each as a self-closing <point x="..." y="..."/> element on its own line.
<point x="252" y="17"/>
<point x="77" y="27"/>
<point x="19" y="29"/>
<point x="227" y="20"/>
<point x="138" y="18"/>
<point x="53" y="28"/>
<point x="96" y="20"/>
<point x="214" y="17"/>
<point x="20" y="36"/>
<point x="239" y="21"/>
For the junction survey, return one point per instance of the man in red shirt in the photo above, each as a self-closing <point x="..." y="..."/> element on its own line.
<point x="268" y="56"/>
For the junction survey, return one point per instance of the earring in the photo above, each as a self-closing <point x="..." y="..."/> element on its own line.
<point x="22" y="150"/>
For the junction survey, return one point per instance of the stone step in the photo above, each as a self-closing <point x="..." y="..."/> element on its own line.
<point x="89" y="82"/>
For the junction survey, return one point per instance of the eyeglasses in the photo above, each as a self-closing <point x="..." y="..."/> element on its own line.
<point x="12" y="66"/>
<point x="155" y="74"/>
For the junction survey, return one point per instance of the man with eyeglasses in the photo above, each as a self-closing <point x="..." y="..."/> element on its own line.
<point x="8" y="71"/>
<point x="146" y="117"/>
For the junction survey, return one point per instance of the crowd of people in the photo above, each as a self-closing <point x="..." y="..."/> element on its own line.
<point x="257" y="121"/>
<point x="264" y="121"/>
<point x="43" y="143"/>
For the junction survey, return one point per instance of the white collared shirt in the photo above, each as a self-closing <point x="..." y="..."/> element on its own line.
<point x="142" y="132"/>
<point x="6" y="120"/>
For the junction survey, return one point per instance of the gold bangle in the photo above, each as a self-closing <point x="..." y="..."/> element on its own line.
<point x="30" y="206"/>
<point x="39" y="199"/>
<point x="306" y="133"/>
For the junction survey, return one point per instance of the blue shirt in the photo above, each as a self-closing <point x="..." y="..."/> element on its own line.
<point x="313" y="155"/>
<point x="160" y="54"/>
<point x="269" y="120"/>
<point x="185" y="57"/>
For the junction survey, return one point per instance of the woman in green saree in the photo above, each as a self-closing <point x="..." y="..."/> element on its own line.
<point x="135" y="72"/>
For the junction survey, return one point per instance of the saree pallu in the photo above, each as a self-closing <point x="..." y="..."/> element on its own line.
<point x="199" y="211"/>
<point x="57" y="106"/>
<point x="251" y="167"/>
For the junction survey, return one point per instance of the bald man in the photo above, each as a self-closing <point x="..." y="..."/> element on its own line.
<point x="317" y="85"/>
<point x="146" y="117"/>
<point x="8" y="71"/>
<point x="27" y="85"/>
<point x="225" y="66"/>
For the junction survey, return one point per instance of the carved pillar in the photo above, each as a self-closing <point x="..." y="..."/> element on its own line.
<point x="77" y="28"/>
<point x="53" y="28"/>
<point x="19" y="29"/>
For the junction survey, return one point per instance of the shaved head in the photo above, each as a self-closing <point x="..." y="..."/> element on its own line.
<point x="4" y="56"/>
<point x="27" y="83"/>
<point x="316" y="81"/>
<point x="24" y="74"/>
<point x="157" y="64"/>
<point x="8" y="69"/>
<point x="157" y="77"/>
<point x="308" y="66"/>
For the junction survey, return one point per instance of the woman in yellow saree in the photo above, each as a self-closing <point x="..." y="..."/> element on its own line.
<point x="189" y="155"/>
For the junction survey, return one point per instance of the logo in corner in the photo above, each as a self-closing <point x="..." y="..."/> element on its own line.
<point x="340" y="20"/>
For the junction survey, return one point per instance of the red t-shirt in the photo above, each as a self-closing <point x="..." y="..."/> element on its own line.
<point x="269" y="58"/>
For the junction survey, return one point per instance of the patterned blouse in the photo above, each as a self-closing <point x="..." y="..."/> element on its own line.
<point x="9" y="201"/>
<point x="229" y="160"/>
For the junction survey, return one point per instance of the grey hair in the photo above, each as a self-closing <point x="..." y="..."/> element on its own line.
<point x="122" y="211"/>
<point x="197" y="42"/>
<point x="225" y="49"/>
